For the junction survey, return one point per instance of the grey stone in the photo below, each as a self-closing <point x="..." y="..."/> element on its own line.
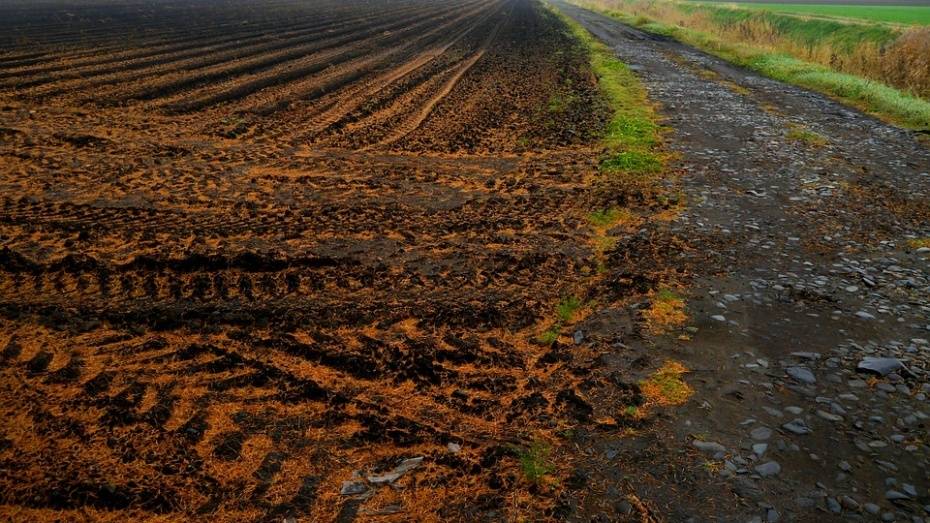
<point x="798" y="426"/>
<point x="768" y="469"/>
<point x="879" y="366"/>
<point x="894" y="495"/>
<point x="849" y="503"/>
<point x="760" y="448"/>
<point x="834" y="506"/>
<point x="746" y="488"/>
<point x="828" y="416"/>
<point x="802" y="374"/>
<point x="761" y="433"/>
<point x="872" y="508"/>
<point x="578" y="337"/>
<point x="773" y="412"/>
<point x="624" y="507"/>
<point x="709" y="447"/>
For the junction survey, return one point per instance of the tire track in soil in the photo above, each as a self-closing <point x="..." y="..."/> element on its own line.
<point x="339" y="108"/>
<point x="333" y="81"/>
<point x="412" y="124"/>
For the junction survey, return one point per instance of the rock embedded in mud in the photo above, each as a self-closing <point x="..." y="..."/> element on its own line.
<point x="802" y="374"/>
<point x="798" y="426"/>
<point x="829" y="416"/>
<point x="709" y="447"/>
<point x="894" y="495"/>
<point x="849" y="503"/>
<point x="768" y="469"/>
<point x="761" y="433"/>
<point x="880" y="366"/>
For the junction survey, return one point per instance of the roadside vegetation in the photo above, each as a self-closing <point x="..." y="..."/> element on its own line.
<point x="632" y="135"/>
<point x="880" y="68"/>
<point x="634" y="160"/>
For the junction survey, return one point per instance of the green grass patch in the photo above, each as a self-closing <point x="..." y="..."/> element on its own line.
<point x="604" y="218"/>
<point x="534" y="462"/>
<point x="567" y="308"/>
<point x="799" y="134"/>
<point x="632" y="134"/>
<point x="549" y="336"/>
<point x="896" y="14"/>
<point x="877" y="98"/>
<point x="666" y="295"/>
<point x="633" y="162"/>
<point x="564" y="311"/>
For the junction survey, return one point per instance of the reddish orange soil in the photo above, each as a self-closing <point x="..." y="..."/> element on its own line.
<point x="248" y="249"/>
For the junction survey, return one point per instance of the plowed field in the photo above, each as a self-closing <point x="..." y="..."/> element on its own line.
<point x="250" y="249"/>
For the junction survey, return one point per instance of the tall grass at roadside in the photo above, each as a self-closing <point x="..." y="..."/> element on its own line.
<point x="794" y="56"/>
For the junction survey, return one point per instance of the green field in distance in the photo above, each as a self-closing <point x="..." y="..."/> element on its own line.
<point x="914" y="15"/>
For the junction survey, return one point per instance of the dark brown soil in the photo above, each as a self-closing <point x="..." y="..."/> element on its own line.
<point x="247" y="251"/>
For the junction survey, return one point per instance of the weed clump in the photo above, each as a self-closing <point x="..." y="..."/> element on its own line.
<point x="666" y="387"/>
<point x="799" y="134"/>
<point x="535" y="463"/>
<point x="919" y="243"/>
<point x="565" y="312"/>
<point x="666" y="312"/>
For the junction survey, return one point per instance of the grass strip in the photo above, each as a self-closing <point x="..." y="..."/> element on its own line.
<point x="631" y="138"/>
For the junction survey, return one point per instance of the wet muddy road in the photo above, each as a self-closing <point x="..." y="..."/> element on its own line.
<point x="806" y="218"/>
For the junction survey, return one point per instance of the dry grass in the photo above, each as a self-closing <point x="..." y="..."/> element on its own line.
<point x="666" y="312"/>
<point x="800" y="134"/>
<point x="906" y="63"/>
<point x="919" y="243"/>
<point x="666" y="388"/>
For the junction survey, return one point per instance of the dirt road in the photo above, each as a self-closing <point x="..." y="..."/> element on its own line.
<point x="799" y="217"/>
